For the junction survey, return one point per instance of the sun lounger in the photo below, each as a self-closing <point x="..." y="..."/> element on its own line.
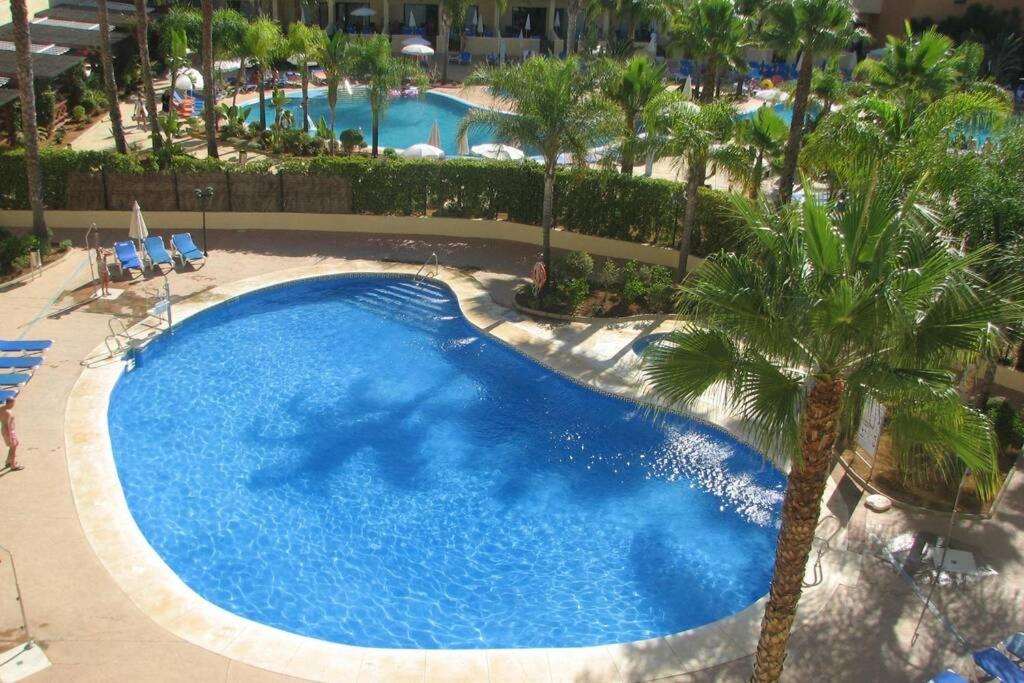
<point x="996" y="664"/>
<point x="20" y="362"/>
<point x="7" y="393"/>
<point x="185" y="248"/>
<point x="157" y="252"/>
<point x="948" y="676"/>
<point x="25" y="345"/>
<point x="127" y="256"/>
<point x="1015" y="645"/>
<point x="13" y="379"/>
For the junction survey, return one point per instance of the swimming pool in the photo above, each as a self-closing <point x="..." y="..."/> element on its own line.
<point x="407" y="120"/>
<point x="349" y="459"/>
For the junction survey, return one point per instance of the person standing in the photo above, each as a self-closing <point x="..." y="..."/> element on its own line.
<point x="9" y="435"/>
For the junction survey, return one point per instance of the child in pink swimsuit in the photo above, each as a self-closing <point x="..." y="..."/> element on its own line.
<point x="10" y="436"/>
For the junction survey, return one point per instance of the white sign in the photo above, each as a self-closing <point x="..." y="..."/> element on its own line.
<point x="871" y="421"/>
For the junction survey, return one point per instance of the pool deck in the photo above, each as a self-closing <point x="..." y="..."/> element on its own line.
<point x="104" y="607"/>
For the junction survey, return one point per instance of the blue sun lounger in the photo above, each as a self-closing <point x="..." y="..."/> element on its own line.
<point x="127" y="256"/>
<point x="157" y="252"/>
<point x="20" y="362"/>
<point x="1015" y="645"/>
<point x="24" y="345"/>
<point x="948" y="676"/>
<point x="996" y="664"/>
<point x="6" y="394"/>
<point x="13" y="380"/>
<point x="185" y="248"/>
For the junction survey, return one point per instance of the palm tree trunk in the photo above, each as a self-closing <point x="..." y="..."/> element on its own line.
<point x="27" y="92"/>
<point x="1018" y="363"/>
<point x="571" y="15"/>
<point x="548" y="212"/>
<point x="305" y="98"/>
<point x="796" y="128"/>
<point x="263" y="98"/>
<point x="109" y="80"/>
<point x="442" y="36"/>
<point x="707" y="90"/>
<point x="739" y="85"/>
<point x="209" y="90"/>
<point x="376" y="131"/>
<point x="694" y="177"/>
<point x="332" y="102"/>
<point x="755" y="185"/>
<point x="627" y="148"/>
<point x="142" y="37"/>
<point x="982" y="387"/>
<point x="800" y="510"/>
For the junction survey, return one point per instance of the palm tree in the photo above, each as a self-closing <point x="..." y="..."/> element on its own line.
<point x="209" y="87"/>
<point x="632" y="86"/>
<point x="261" y="45"/>
<point x="757" y="142"/>
<point x="142" y="37"/>
<point x="449" y="13"/>
<point x="712" y="30"/>
<point x="109" y="80"/>
<point x="552" y="107"/>
<point x="382" y="72"/>
<point x="818" y="29"/>
<point x="829" y="305"/>
<point x="27" y="93"/>
<point x="694" y="135"/>
<point x="572" y="14"/>
<point x="229" y="27"/>
<point x="304" y="44"/>
<point x="336" y="56"/>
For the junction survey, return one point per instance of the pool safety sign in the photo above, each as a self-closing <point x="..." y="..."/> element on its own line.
<point x="871" y="421"/>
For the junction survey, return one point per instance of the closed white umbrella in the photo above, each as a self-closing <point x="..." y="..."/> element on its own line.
<point x="189" y="79"/>
<point x="463" y="149"/>
<point x="528" y="26"/>
<point x="558" y="23"/>
<point x="418" y="50"/>
<point x="348" y="86"/>
<point x="435" y="135"/>
<point x="412" y="20"/>
<point x="688" y="88"/>
<point x="137" y="227"/>
<point x="479" y="24"/>
<point x="501" y="51"/>
<point x="520" y="34"/>
<point x="423" y="151"/>
<point x="652" y="46"/>
<point x="493" y="150"/>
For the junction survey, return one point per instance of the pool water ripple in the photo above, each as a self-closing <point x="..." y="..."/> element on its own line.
<point x="349" y="459"/>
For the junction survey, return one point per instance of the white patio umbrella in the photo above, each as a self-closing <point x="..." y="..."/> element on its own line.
<point x="528" y="26"/>
<point x="423" y="151"/>
<point x="418" y="50"/>
<point x="188" y="79"/>
<point x="501" y="51"/>
<point x="412" y="20"/>
<point x="771" y="95"/>
<point x="688" y="88"/>
<point x="493" y="150"/>
<point x="435" y="135"/>
<point x="363" y="12"/>
<point x="463" y="148"/>
<point x="415" y="40"/>
<point x="348" y="86"/>
<point x="652" y="46"/>
<point x="521" y="33"/>
<point x="558" y="23"/>
<point x="227" y="65"/>
<point x="479" y="24"/>
<point x="137" y="227"/>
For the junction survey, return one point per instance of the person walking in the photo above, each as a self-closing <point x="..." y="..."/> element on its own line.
<point x="9" y="435"/>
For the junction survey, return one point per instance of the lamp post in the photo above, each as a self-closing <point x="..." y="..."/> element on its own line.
<point x="203" y="196"/>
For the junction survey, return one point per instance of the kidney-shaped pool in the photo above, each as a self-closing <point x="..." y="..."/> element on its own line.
<point x="349" y="459"/>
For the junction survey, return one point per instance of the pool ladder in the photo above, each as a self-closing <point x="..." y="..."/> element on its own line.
<point x="118" y="332"/>
<point x="421" y="275"/>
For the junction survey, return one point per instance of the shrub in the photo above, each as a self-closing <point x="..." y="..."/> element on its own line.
<point x="659" y="287"/>
<point x="88" y="104"/>
<point x="576" y="265"/>
<point x="350" y="139"/>
<point x="14" y="250"/>
<point x="633" y="287"/>
<point x="64" y="245"/>
<point x="78" y="114"/>
<point x="1007" y="422"/>
<point x="611" y="275"/>
<point x="46" y="103"/>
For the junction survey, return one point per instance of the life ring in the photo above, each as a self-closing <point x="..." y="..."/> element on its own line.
<point x="539" y="275"/>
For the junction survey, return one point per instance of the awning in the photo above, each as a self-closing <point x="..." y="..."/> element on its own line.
<point x="44" y="66"/>
<point x="59" y="35"/>
<point x="87" y="15"/>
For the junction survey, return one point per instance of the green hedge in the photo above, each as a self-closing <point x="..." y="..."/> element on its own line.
<point x="591" y="202"/>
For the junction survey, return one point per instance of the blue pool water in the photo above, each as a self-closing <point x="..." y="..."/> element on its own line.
<point x="407" y="120"/>
<point x="349" y="459"/>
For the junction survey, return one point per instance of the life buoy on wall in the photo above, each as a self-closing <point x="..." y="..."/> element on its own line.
<point x="539" y="275"/>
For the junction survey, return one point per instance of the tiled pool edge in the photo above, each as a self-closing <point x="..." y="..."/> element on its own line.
<point x="163" y="596"/>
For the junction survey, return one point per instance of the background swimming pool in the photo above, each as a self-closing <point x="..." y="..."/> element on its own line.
<point x="407" y="120"/>
<point x="349" y="459"/>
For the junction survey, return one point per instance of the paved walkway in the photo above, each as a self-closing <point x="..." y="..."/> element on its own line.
<point x="91" y="631"/>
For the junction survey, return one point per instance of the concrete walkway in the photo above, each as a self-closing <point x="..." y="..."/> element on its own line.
<point x="91" y="630"/>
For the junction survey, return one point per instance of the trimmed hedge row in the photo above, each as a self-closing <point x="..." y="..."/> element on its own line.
<point x="592" y="202"/>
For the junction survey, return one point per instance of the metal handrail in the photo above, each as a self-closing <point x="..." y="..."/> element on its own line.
<point x="21" y="602"/>
<point x="437" y="266"/>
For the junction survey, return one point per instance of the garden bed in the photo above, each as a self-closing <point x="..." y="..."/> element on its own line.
<point x="20" y="267"/>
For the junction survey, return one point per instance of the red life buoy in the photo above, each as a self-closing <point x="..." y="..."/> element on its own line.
<point x="539" y="275"/>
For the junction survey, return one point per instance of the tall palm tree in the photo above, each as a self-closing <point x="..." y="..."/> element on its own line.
<point x="305" y="43"/>
<point x="828" y="88"/>
<point x="552" y="107"/>
<point x="632" y="86"/>
<point x="758" y="142"/>
<point x="109" y="80"/>
<point x="713" y="30"/>
<point x="572" y="15"/>
<point x="209" y="87"/>
<point x="142" y="38"/>
<point x="694" y="135"/>
<point x="449" y="13"/>
<point x="382" y="72"/>
<point x="336" y="56"/>
<point x="27" y="93"/>
<point x="829" y="305"/>
<point x="261" y="45"/>
<point x="817" y="29"/>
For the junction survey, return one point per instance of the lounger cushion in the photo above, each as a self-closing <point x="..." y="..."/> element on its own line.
<point x="126" y="255"/>
<point x="25" y="345"/>
<point x="9" y="362"/>
<point x="7" y="393"/>
<point x="186" y="247"/>
<point x="13" y="379"/>
<point x="995" y="663"/>
<point x="157" y="251"/>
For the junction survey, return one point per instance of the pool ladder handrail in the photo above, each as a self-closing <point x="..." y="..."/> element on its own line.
<point x="114" y="338"/>
<point x="417" y="279"/>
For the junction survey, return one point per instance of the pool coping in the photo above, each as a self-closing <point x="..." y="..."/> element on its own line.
<point x="160" y="594"/>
